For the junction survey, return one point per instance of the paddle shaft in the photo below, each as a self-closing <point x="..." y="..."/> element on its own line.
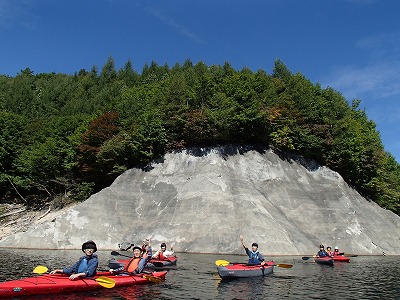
<point x="225" y="263"/>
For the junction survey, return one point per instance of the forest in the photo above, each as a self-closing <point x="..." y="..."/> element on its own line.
<point x="64" y="137"/>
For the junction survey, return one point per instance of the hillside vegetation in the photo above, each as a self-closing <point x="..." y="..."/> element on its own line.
<point x="64" y="136"/>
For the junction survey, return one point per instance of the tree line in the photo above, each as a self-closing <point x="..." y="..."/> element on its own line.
<point x="64" y="136"/>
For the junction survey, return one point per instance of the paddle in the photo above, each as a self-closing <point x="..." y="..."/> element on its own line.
<point x="307" y="257"/>
<point x="101" y="280"/>
<point x="152" y="278"/>
<point x="347" y="255"/>
<point x="157" y="264"/>
<point x="40" y="270"/>
<point x="224" y="263"/>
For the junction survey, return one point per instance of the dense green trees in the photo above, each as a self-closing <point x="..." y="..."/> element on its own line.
<point x="72" y="135"/>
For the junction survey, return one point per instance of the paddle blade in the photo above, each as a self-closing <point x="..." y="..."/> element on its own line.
<point x="286" y="266"/>
<point x="152" y="278"/>
<point x="221" y="263"/>
<point x="305" y="258"/>
<point x="105" y="282"/>
<point x="40" y="270"/>
<point x="115" y="253"/>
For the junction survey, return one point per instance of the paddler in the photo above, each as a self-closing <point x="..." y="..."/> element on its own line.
<point x="255" y="257"/>
<point x="86" y="265"/>
<point x="163" y="253"/>
<point x="322" y="252"/>
<point x="141" y="256"/>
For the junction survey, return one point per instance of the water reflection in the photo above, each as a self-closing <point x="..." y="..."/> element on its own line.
<point x="196" y="277"/>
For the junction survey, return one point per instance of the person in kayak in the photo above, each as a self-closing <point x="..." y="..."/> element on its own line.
<point x="322" y="252"/>
<point x="163" y="253"/>
<point x="329" y="250"/>
<point x="138" y="261"/>
<point x="336" y="251"/>
<point x="255" y="257"/>
<point x="86" y="265"/>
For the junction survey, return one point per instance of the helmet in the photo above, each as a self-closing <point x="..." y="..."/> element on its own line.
<point x="163" y="245"/>
<point x="89" y="245"/>
<point x="336" y="248"/>
<point x="254" y="245"/>
<point x="321" y="246"/>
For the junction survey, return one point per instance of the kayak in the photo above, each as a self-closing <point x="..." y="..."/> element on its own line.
<point x="341" y="258"/>
<point x="152" y="264"/>
<point x="155" y="263"/>
<point x="326" y="260"/>
<point x="237" y="270"/>
<point x="60" y="283"/>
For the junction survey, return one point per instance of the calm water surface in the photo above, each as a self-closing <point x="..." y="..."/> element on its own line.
<point x="196" y="277"/>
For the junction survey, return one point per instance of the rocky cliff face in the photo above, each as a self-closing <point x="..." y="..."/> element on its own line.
<point x="202" y="200"/>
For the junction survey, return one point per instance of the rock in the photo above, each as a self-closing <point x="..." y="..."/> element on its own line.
<point x="201" y="200"/>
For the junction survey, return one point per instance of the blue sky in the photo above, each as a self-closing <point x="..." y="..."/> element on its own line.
<point x="350" y="45"/>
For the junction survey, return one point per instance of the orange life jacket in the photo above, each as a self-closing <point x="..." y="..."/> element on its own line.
<point x="132" y="265"/>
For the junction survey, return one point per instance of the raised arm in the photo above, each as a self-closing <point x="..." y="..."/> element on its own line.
<point x="241" y="239"/>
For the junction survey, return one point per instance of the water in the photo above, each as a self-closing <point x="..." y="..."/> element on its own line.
<point x="195" y="277"/>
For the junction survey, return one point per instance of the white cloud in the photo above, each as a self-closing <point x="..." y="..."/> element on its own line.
<point x="380" y="79"/>
<point x="383" y="46"/>
<point x="163" y="17"/>
<point x="16" y="13"/>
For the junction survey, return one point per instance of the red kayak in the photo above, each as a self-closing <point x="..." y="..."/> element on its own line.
<point x="341" y="258"/>
<point x="326" y="260"/>
<point x="60" y="283"/>
<point x="155" y="263"/>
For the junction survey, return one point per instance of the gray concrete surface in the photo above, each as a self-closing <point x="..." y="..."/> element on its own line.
<point x="202" y="200"/>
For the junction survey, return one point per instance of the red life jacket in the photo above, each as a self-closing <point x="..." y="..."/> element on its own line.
<point x="132" y="265"/>
<point x="161" y="255"/>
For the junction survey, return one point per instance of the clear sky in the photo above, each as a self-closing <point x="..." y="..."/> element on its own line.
<point x="350" y="45"/>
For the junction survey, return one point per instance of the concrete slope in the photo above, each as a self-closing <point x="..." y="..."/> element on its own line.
<point x="202" y="200"/>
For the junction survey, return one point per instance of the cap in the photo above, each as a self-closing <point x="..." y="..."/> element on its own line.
<point x="136" y="247"/>
<point x="89" y="245"/>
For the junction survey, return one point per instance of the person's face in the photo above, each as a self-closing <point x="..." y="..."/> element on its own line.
<point x="322" y="248"/>
<point x="254" y="248"/>
<point x="88" y="252"/>
<point x="163" y="249"/>
<point x="136" y="253"/>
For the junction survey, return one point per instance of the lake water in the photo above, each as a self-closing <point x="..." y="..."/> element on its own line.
<point x="196" y="277"/>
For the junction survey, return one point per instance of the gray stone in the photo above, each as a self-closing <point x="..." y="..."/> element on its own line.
<point x="201" y="200"/>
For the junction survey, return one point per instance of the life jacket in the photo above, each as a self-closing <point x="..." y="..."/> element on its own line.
<point x="161" y="255"/>
<point x="254" y="258"/>
<point x="132" y="265"/>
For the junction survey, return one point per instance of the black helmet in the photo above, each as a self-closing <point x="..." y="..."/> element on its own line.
<point x="89" y="245"/>
<point x="321" y="246"/>
<point x="254" y="245"/>
<point x="163" y="245"/>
